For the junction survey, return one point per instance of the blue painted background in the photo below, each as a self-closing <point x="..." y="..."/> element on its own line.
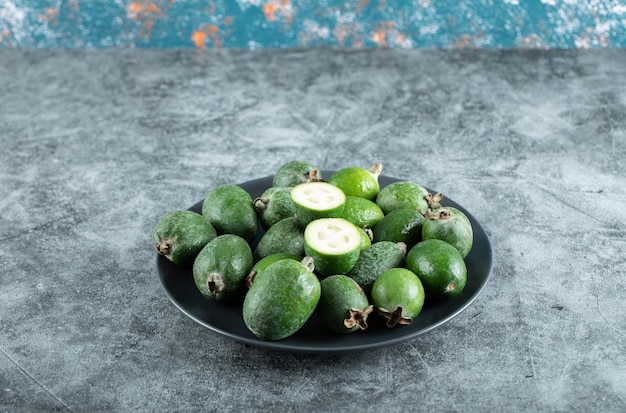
<point x="252" y="24"/>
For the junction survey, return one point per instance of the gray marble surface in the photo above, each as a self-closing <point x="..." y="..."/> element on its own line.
<point x="97" y="145"/>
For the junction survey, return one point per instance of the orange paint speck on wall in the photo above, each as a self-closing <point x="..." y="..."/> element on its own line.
<point x="269" y="10"/>
<point x="208" y="33"/>
<point x="273" y="9"/>
<point x="139" y="9"/>
<point x="198" y="38"/>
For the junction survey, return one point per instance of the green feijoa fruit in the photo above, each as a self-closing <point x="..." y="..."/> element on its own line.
<point x="450" y="225"/>
<point x="439" y="266"/>
<point x="263" y="263"/>
<point x="334" y="244"/>
<point x="356" y="181"/>
<point x="281" y="299"/>
<point x="180" y="235"/>
<point x="375" y="260"/>
<point x="220" y="269"/>
<point x="274" y="205"/>
<point x="296" y="172"/>
<point x="230" y="210"/>
<point x="314" y="200"/>
<point x="403" y="194"/>
<point x="398" y="296"/>
<point x="366" y="238"/>
<point x="343" y="306"/>
<point x="400" y="225"/>
<point x="284" y="236"/>
<point x="362" y="212"/>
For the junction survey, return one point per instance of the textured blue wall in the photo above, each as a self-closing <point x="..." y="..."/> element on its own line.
<point x="251" y="24"/>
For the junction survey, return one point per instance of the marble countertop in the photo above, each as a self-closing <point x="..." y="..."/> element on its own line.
<point x="97" y="145"/>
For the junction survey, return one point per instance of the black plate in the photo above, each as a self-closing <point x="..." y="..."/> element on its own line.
<point x="227" y="320"/>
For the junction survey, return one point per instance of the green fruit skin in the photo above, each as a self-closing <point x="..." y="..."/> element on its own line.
<point x="356" y="181"/>
<point x="339" y="295"/>
<point x="285" y="236"/>
<point x="229" y="259"/>
<point x="400" y="225"/>
<point x="362" y="212"/>
<point x="275" y="204"/>
<point x="456" y="230"/>
<point x="374" y="261"/>
<point x="403" y="194"/>
<point x="263" y="263"/>
<point x="294" y="173"/>
<point x="305" y="216"/>
<point x="326" y="264"/>
<point x="181" y="235"/>
<point x="281" y="300"/>
<point x="230" y="210"/>
<point x="439" y="266"/>
<point x="366" y="241"/>
<point x="399" y="287"/>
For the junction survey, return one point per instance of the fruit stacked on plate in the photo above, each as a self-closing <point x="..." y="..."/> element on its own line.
<point x="343" y="247"/>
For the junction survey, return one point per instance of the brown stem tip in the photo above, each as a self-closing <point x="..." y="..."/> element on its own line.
<point x="309" y="263"/>
<point x="376" y="169"/>
<point x="403" y="247"/>
<point x="434" y="201"/>
<point x="260" y="204"/>
<point x="314" y="175"/>
<point x="358" y="318"/>
<point x="164" y="248"/>
<point x="441" y="214"/>
<point x="394" y="317"/>
<point x="215" y="283"/>
<point x="250" y="279"/>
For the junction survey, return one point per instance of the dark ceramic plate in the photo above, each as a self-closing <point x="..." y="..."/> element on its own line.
<point x="227" y="320"/>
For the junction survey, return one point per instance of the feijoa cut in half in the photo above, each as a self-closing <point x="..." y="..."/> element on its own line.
<point x="334" y="244"/>
<point x="398" y="295"/>
<point x="343" y="306"/>
<point x="221" y="267"/>
<point x="314" y="200"/>
<point x="439" y="266"/>
<point x="180" y="235"/>
<point x="281" y="299"/>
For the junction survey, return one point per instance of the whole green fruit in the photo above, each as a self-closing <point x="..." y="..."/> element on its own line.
<point x="398" y="296"/>
<point x="343" y="305"/>
<point x="180" y="235"/>
<point x="281" y="299"/>
<point x="450" y="225"/>
<point x="220" y="269"/>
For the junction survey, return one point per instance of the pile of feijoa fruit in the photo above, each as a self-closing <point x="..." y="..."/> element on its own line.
<point x="340" y="246"/>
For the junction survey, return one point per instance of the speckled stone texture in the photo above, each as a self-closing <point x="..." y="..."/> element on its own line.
<point x="255" y="24"/>
<point x="96" y="146"/>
